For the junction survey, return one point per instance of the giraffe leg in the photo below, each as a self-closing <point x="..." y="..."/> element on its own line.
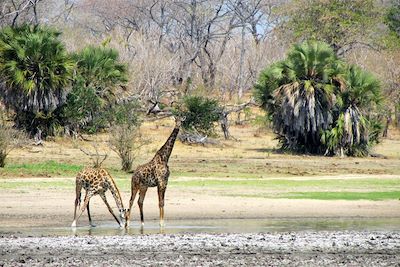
<point x="161" y="196"/>
<point x="103" y="196"/>
<point x="134" y="191"/>
<point x="85" y="203"/>
<point x="77" y="201"/>
<point x="142" y="194"/>
<point x="90" y="218"/>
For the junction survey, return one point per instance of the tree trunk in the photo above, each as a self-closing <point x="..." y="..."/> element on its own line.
<point x="3" y="156"/>
<point x="387" y="124"/>
<point x="341" y="152"/>
<point x="225" y="125"/>
<point x="397" y="115"/>
<point x="241" y="63"/>
<point x="126" y="162"/>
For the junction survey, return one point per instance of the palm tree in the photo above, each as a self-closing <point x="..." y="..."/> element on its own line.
<point x="354" y="129"/>
<point x="101" y="70"/>
<point x="299" y="94"/>
<point x="35" y="71"/>
<point x="99" y="74"/>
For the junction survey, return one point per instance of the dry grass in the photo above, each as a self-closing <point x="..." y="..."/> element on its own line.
<point x="252" y="155"/>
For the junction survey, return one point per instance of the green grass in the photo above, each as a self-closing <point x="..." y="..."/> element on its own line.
<point x="323" y="189"/>
<point x="243" y="184"/>
<point x="345" y="195"/>
<point x="285" y="184"/>
<point x="49" y="168"/>
<point x="305" y="193"/>
<point x="40" y="169"/>
<point x="349" y="195"/>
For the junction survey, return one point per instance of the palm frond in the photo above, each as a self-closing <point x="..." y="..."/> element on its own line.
<point x="318" y="103"/>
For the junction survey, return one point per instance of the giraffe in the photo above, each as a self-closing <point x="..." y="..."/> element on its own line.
<point x="151" y="174"/>
<point x="96" y="181"/>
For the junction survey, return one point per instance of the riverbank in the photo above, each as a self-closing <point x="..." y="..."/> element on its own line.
<point x="52" y="207"/>
<point x="336" y="248"/>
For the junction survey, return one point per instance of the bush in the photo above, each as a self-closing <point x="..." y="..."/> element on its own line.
<point x="125" y="137"/>
<point x="83" y="109"/>
<point x="201" y="113"/>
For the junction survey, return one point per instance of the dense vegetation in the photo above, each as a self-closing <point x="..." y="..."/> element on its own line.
<point x="318" y="103"/>
<point x="200" y="114"/>
<point x="36" y="71"/>
<point x="98" y="76"/>
<point x="323" y="97"/>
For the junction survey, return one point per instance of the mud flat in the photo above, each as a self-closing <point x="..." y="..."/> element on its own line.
<point x="322" y="248"/>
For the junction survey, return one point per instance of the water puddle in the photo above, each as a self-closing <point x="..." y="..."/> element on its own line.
<point x="218" y="226"/>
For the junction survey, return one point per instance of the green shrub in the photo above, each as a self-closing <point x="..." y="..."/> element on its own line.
<point x="201" y="114"/>
<point x="92" y="99"/>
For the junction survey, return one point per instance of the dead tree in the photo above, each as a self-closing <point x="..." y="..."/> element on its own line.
<point x="96" y="157"/>
<point x="228" y="110"/>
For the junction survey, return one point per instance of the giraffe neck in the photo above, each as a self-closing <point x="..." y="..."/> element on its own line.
<point x="116" y="194"/>
<point x="165" y="151"/>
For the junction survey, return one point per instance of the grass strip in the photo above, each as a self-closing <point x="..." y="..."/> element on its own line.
<point x="344" y="195"/>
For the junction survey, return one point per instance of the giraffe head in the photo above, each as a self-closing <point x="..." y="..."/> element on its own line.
<point x="179" y="120"/>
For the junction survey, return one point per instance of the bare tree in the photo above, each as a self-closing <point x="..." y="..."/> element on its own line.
<point x="254" y="17"/>
<point x="126" y="142"/>
<point x="10" y="139"/>
<point x="182" y="44"/>
<point x="14" y="11"/>
<point x="96" y="155"/>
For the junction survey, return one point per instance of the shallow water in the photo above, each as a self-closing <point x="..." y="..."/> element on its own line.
<point x="217" y="226"/>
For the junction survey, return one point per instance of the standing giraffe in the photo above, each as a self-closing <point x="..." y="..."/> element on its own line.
<point x="154" y="173"/>
<point x="96" y="181"/>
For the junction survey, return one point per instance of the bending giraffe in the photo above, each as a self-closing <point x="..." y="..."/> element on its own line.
<point x="96" y="181"/>
<point x="154" y="173"/>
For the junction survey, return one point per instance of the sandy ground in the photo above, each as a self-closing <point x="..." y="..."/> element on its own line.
<point x="52" y="207"/>
<point x="264" y="249"/>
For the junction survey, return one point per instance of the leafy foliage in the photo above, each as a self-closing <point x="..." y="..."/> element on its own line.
<point x="353" y="132"/>
<point x="201" y="113"/>
<point x="318" y="104"/>
<point x="99" y="74"/>
<point x="36" y="71"/>
<point x="392" y="18"/>
<point x="101" y="70"/>
<point x="392" y="21"/>
<point x="82" y="107"/>
<point x="299" y="95"/>
<point x="339" y="23"/>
